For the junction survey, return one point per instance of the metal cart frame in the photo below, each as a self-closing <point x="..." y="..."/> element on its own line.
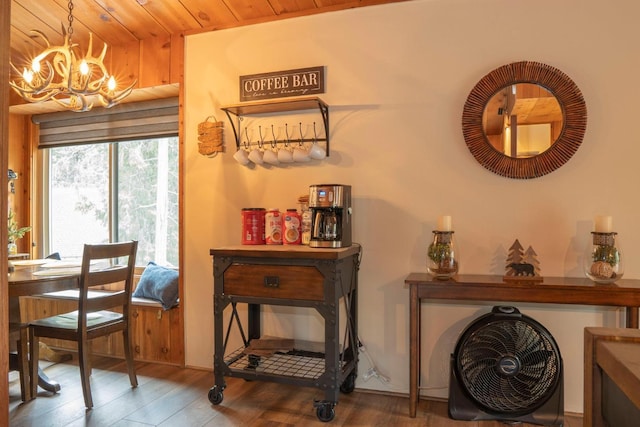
<point x="279" y="276"/>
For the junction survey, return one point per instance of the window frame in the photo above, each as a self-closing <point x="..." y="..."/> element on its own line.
<point x="126" y="122"/>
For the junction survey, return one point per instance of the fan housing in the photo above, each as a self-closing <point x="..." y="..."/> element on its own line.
<point x="506" y="366"/>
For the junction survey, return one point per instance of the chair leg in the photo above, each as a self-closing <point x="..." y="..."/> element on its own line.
<point x="128" y="355"/>
<point x="85" y="372"/>
<point x="23" y="365"/>
<point x="34" y="350"/>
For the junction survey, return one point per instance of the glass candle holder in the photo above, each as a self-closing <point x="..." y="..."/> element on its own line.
<point x="603" y="258"/>
<point x="442" y="255"/>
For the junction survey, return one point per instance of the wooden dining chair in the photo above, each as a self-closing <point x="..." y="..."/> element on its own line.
<point x="98" y="313"/>
<point x="19" y="331"/>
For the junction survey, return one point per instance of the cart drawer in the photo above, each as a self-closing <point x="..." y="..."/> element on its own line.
<point x="274" y="281"/>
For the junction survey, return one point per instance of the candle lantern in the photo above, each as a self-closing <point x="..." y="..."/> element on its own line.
<point x="603" y="260"/>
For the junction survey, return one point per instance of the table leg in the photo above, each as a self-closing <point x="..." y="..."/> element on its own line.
<point x="46" y="383"/>
<point x="632" y="317"/>
<point x="253" y="321"/>
<point x="43" y="380"/>
<point x="592" y="380"/>
<point x="414" y="350"/>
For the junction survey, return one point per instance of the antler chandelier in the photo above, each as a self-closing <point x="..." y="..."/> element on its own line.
<point x="64" y="75"/>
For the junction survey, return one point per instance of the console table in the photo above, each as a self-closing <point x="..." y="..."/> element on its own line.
<point x="553" y="290"/>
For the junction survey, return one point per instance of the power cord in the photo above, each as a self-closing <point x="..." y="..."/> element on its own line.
<point x="372" y="372"/>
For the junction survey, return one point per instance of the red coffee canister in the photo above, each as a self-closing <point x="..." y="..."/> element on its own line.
<point x="253" y="226"/>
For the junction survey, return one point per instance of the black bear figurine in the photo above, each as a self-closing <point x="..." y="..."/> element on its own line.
<point x="522" y="269"/>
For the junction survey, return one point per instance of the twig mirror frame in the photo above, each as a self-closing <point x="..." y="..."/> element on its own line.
<point x="574" y="111"/>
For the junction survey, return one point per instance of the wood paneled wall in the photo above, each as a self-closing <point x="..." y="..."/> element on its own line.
<point x="19" y="162"/>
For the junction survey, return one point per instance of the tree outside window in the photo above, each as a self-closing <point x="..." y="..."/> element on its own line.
<point x="142" y="204"/>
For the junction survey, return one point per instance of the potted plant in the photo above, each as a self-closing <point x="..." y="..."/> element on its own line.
<point x="14" y="232"/>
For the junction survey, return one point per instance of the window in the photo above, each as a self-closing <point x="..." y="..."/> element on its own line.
<point x="111" y="175"/>
<point x="113" y="192"/>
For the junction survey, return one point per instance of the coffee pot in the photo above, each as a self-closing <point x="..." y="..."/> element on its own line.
<point x="330" y="206"/>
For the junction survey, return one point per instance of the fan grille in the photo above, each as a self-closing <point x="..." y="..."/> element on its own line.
<point x="508" y="366"/>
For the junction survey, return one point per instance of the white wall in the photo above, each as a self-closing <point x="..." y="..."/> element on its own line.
<point x="397" y="79"/>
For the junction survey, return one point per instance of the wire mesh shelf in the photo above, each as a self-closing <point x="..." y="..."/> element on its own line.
<point x="298" y="364"/>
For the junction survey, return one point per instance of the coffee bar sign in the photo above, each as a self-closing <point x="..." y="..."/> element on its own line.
<point x="280" y="84"/>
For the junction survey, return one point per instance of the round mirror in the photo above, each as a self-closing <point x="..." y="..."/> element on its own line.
<point x="524" y="120"/>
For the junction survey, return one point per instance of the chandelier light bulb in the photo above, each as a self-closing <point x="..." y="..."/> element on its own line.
<point x="27" y="75"/>
<point x="111" y="84"/>
<point x="35" y="66"/>
<point x="84" y="68"/>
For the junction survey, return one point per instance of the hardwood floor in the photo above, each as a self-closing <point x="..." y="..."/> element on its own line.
<point x="171" y="396"/>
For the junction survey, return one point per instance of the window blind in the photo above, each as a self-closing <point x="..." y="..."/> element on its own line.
<point x="122" y="122"/>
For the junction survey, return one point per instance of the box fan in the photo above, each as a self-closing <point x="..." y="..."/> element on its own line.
<point x="506" y="366"/>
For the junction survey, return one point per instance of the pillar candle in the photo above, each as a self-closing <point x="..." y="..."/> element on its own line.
<point x="444" y="223"/>
<point x="603" y="224"/>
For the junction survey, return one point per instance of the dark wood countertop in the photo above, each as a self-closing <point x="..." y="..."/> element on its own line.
<point x="556" y="290"/>
<point x="285" y="251"/>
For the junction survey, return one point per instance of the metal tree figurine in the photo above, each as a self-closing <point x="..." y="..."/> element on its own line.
<point x="522" y="265"/>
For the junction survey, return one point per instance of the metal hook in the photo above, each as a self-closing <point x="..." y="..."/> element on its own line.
<point x="301" y="137"/>
<point x="286" y="131"/>
<point x="261" y="142"/>
<point x="274" y="143"/>
<point x="315" y="135"/>
<point x="247" y="143"/>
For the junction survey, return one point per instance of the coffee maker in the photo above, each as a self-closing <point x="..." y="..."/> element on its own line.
<point x="330" y="206"/>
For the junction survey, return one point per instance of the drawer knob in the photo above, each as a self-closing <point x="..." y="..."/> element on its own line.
<point x="271" y="281"/>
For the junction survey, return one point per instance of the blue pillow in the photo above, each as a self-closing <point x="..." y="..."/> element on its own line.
<point x="160" y="284"/>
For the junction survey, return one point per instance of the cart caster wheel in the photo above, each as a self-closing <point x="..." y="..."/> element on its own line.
<point x="349" y="384"/>
<point x="325" y="412"/>
<point x="215" y="395"/>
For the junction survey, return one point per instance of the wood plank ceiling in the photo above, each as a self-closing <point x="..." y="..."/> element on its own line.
<point x="119" y="22"/>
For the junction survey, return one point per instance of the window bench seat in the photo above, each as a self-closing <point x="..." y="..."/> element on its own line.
<point x="73" y="294"/>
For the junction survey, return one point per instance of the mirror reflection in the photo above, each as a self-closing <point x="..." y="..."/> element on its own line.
<point x="522" y="120"/>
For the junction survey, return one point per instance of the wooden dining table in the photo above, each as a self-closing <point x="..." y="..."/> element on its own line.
<point x="31" y="277"/>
